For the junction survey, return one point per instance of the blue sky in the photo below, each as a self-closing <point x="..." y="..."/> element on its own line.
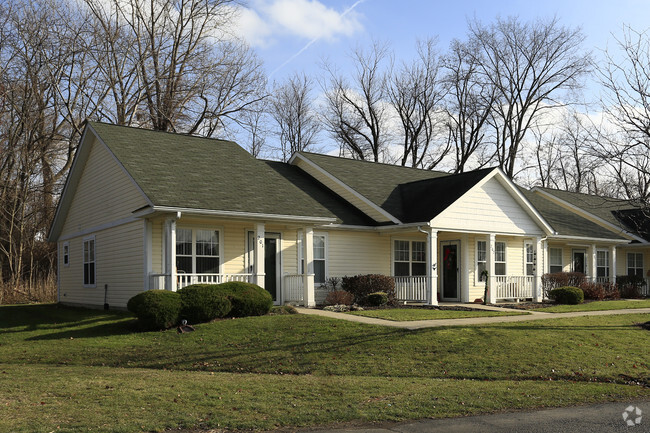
<point x="279" y="29"/>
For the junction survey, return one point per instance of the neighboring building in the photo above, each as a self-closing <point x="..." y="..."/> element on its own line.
<point x="150" y="210"/>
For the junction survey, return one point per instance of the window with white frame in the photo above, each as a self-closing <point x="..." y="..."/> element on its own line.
<point x="89" y="262"/>
<point x="529" y="258"/>
<point x="602" y="264"/>
<point x="409" y="258"/>
<point x="197" y="251"/>
<point x="320" y="257"/>
<point x="555" y="260"/>
<point x="481" y="259"/>
<point x="635" y="264"/>
<point x="499" y="258"/>
<point x="66" y="253"/>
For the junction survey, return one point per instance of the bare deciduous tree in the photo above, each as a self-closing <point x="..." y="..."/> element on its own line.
<point x="416" y="92"/>
<point x="533" y="67"/>
<point x="291" y="107"/>
<point x="356" y="114"/>
<point x="469" y="102"/>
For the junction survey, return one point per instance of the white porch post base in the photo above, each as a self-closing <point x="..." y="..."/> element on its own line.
<point x="612" y="264"/>
<point x="309" y="300"/>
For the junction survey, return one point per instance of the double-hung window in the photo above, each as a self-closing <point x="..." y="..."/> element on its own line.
<point x="529" y="258"/>
<point x="409" y="258"/>
<point x="89" y="262"/>
<point x="499" y="258"/>
<point x="197" y="251"/>
<point x="635" y="264"/>
<point x="481" y="259"/>
<point x="320" y="257"/>
<point x="555" y="260"/>
<point x="66" y="254"/>
<point x="602" y="264"/>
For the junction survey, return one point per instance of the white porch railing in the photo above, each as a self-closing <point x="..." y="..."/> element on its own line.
<point x="513" y="287"/>
<point x="412" y="289"/>
<point x="293" y="288"/>
<point x="157" y="281"/>
<point x="645" y="289"/>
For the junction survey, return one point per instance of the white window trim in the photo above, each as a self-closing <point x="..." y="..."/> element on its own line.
<point x="392" y="253"/>
<point x="299" y="245"/>
<point x="83" y="260"/>
<point x="607" y="266"/>
<point x="526" y="262"/>
<point x="477" y="275"/>
<point x="505" y="258"/>
<point x="627" y="262"/>
<point x="194" y="228"/>
<point x="65" y="254"/>
<point x="550" y="256"/>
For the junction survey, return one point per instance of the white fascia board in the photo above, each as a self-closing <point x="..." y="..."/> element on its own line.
<point x="243" y="215"/>
<point x="582" y="212"/>
<point x="343" y="185"/>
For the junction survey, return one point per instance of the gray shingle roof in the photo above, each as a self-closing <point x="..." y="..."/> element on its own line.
<point x="199" y="173"/>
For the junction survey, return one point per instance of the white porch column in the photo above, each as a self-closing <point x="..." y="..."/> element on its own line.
<point x="464" y="266"/>
<point x="612" y="264"/>
<point x="170" y="254"/>
<point x="148" y="252"/>
<point x="258" y="263"/>
<point x="309" y="298"/>
<point x="491" y="297"/>
<point x="594" y="263"/>
<point x="539" y="270"/>
<point x="432" y="266"/>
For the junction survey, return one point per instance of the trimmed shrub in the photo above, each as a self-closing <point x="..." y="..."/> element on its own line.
<point x="377" y="299"/>
<point x="203" y="302"/>
<point x="561" y="279"/>
<point x="629" y="286"/>
<point x="362" y="285"/>
<point x="339" y="297"/>
<point x="283" y="309"/>
<point x="247" y="299"/>
<point x="567" y="295"/>
<point x="155" y="309"/>
<point x="599" y="291"/>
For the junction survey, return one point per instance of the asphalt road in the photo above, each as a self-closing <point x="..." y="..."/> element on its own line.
<point x="607" y="417"/>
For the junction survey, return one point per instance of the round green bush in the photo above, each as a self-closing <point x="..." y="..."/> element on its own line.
<point x="155" y="309"/>
<point x="202" y="303"/>
<point x="247" y="299"/>
<point x="377" y="299"/>
<point x="567" y="295"/>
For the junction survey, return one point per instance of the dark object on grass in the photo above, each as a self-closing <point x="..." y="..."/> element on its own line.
<point x="185" y="327"/>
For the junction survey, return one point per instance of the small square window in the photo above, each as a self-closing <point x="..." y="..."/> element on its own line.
<point x="66" y="254"/>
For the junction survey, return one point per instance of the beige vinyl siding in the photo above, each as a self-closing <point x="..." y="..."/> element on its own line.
<point x="354" y="253"/>
<point x="156" y="246"/>
<point x="490" y="207"/>
<point x="119" y="263"/>
<point x="621" y="259"/>
<point x="104" y="194"/>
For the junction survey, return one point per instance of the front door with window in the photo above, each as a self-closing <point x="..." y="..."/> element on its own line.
<point x="579" y="261"/>
<point x="450" y="280"/>
<point x="272" y="266"/>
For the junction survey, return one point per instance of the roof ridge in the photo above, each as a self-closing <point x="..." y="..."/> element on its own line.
<point x="157" y="131"/>
<point x="545" y="188"/>
<point x="374" y="163"/>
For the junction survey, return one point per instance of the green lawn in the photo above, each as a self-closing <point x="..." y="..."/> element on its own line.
<point x="408" y="314"/>
<point x="597" y="306"/>
<point x="70" y="370"/>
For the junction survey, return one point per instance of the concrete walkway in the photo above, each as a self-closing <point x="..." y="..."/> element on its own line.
<point x="420" y="324"/>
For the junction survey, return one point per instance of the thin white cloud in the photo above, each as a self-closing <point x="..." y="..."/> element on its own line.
<point x="265" y="20"/>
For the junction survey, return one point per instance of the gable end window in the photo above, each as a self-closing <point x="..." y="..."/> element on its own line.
<point x="66" y="253"/>
<point x="635" y="264"/>
<point x="197" y="251"/>
<point x="89" y="262"/>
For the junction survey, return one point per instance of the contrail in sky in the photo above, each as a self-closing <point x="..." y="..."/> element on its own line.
<point x="310" y="43"/>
